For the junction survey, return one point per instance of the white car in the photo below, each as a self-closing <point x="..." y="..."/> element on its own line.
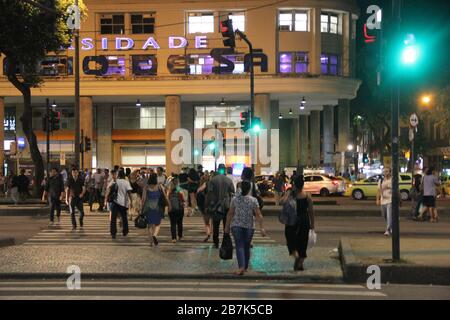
<point x="323" y="185"/>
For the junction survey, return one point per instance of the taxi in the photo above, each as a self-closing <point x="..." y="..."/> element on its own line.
<point x="362" y="189"/>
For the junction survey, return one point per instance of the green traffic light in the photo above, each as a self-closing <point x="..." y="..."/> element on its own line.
<point x="256" y="128"/>
<point x="410" y="55"/>
<point x="196" y="152"/>
<point x="212" y="146"/>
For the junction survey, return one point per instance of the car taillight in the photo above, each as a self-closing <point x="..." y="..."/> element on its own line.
<point x="336" y="183"/>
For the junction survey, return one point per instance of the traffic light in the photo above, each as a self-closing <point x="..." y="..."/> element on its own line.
<point x="256" y="125"/>
<point x="55" y="119"/>
<point x="226" y="28"/>
<point x="87" y="144"/>
<point x="365" y="158"/>
<point x="410" y="51"/>
<point x="244" y="121"/>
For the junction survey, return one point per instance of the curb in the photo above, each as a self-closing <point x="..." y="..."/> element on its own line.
<point x="350" y="212"/>
<point x="356" y="272"/>
<point x="178" y="276"/>
<point x="5" y="242"/>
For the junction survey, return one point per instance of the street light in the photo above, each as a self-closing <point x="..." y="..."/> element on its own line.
<point x="290" y="111"/>
<point x="350" y="147"/>
<point x="280" y="116"/>
<point x="426" y="99"/>
<point x="138" y="103"/>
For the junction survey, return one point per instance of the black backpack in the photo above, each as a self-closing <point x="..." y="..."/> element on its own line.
<point x="113" y="192"/>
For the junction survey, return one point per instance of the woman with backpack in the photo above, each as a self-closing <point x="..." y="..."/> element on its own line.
<point x="299" y="220"/>
<point x="176" y="212"/>
<point x="154" y="200"/>
<point x="136" y="195"/>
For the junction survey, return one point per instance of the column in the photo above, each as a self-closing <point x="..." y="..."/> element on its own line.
<point x="314" y="138"/>
<point x="262" y="111"/>
<point x="187" y="122"/>
<point x="303" y="140"/>
<point x="104" y="136"/>
<point x="275" y="124"/>
<point x="25" y="153"/>
<point x="316" y="46"/>
<point x="86" y="124"/>
<point x="344" y="130"/>
<point x="346" y="33"/>
<point x="328" y="136"/>
<point x="173" y="122"/>
<point x="2" y="132"/>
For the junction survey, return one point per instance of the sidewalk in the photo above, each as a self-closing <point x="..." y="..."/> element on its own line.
<point x="423" y="261"/>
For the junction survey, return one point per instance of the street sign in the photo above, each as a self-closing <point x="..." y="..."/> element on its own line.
<point x="414" y="120"/>
<point x="411" y="135"/>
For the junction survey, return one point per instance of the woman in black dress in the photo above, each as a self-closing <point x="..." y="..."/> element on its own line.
<point x="297" y="235"/>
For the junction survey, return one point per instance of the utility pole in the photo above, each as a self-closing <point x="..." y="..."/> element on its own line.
<point x="77" y="94"/>
<point x="82" y="150"/>
<point x="395" y="106"/>
<point x="48" y="128"/>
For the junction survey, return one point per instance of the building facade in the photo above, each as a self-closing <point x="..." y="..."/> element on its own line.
<point x="151" y="67"/>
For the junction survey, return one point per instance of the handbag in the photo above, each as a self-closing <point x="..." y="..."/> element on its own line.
<point x="226" y="248"/>
<point x="312" y="238"/>
<point x="288" y="214"/>
<point x="141" y="221"/>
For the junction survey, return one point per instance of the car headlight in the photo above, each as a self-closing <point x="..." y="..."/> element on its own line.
<point x="350" y="186"/>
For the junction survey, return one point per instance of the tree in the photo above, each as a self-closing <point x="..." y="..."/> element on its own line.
<point x="28" y="33"/>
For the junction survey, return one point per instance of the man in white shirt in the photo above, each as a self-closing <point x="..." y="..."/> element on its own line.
<point x="121" y="199"/>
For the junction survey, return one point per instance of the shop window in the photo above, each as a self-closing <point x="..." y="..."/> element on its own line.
<point x="223" y="116"/>
<point x="116" y="66"/>
<point x="329" y="23"/>
<point x="200" y="64"/>
<point x="144" y="65"/>
<point x="293" y="20"/>
<point x="329" y="64"/>
<point x="143" y="23"/>
<point x="139" y="118"/>
<point x="138" y="156"/>
<point x="200" y="22"/>
<point x="112" y="24"/>
<point x="293" y="62"/>
<point x="52" y="66"/>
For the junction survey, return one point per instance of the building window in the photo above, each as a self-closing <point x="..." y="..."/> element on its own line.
<point x="238" y="20"/>
<point x="201" y="22"/>
<point x="200" y="64"/>
<point x="224" y="116"/>
<point x="142" y="23"/>
<point x="294" y="62"/>
<point x="144" y="65"/>
<point x="139" y="118"/>
<point x="329" y="23"/>
<point x="293" y="20"/>
<point x="112" y="24"/>
<point x="116" y="65"/>
<point x="329" y="64"/>
<point x="52" y="66"/>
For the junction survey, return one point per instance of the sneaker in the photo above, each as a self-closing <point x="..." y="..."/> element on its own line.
<point x="155" y="241"/>
<point x="51" y="224"/>
<point x="74" y="228"/>
<point x="174" y="241"/>
<point x="387" y="233"/>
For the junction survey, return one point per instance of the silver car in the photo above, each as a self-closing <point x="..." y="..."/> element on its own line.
<point x="323" y="185"/>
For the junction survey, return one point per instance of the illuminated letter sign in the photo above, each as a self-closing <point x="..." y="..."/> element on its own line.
<point x="201" y="42"/>
<point x="218" y="55"/>
<point x="104" y="43"/>
<point x="183" y="42"/>
<point x="87" y="44"/>
<point x="151" y="42"/>
<point x="101" y="60"/>
<point x="177" y="65"/>
<point x="257" y="54"/>
<point x="129" y="45"/>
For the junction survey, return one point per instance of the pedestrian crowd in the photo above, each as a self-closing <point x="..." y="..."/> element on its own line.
<point x="146" y="195"/>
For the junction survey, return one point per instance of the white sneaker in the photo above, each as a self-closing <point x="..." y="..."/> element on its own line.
<point x="387" y="233"/>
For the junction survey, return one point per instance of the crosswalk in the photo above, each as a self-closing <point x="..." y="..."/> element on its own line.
<point x="95" y="232"/>
<point x="146" y="289"/>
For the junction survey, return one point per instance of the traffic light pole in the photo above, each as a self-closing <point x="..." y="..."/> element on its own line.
<point x="252" y="81"/>
<point x="48" y="125"/>
<point x="77" y="95"/>
<point x="81" y="145"/>
<point x="395" y="106"/>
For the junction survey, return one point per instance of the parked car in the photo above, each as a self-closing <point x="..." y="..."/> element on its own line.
<point x="323" y="185"/>
<point x="265" y="185"/>
<point x="445" y="183"/>
<point x="362" y="189"/>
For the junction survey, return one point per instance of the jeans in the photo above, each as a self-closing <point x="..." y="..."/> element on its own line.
<point x="118" y="209"/>
<point x="216" y="227"/>
<point x="76" y="202"/>
<point x="176" y="221"/>
<point x="242" y="240"/>
<point x="55" y="204"/>
<point x="386" y="210"/>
